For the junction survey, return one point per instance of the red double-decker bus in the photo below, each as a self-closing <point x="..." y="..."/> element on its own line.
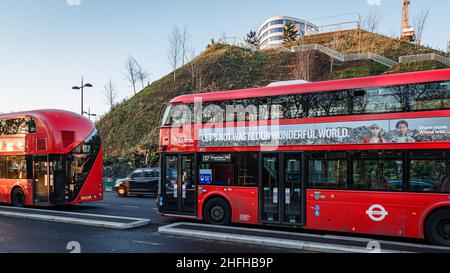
<point x="366" y="155"/>
<point x="49" y="158"/>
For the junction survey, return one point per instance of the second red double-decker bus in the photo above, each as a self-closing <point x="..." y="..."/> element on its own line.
<point x="49" y="158"/>
<point x="367" y="155"/>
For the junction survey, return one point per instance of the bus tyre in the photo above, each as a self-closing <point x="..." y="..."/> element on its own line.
<point x="437" y="228"/>
<point x="121" y="191"/>
<point x="217" y="212"/>
<point x="18" y="198"/>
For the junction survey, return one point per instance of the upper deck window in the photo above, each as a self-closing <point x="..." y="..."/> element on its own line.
<point x="430" y="96"/>
<point x="376" y="100"/>
<point x="17" y="126"/>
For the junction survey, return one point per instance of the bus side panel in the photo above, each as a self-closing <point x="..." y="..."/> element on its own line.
<point x="92" y="189"/>
<point x="377" y="213"/>
<point x="243" y="202"/>
<point x="7" y="185"/>
<point x="327" y="211"/>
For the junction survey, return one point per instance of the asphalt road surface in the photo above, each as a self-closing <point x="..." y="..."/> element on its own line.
<point x="31" y="236"/>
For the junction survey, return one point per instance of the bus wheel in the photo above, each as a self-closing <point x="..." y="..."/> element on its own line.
<point x="217" y="212"/>
<point x="18" y="198"/>
<point x="437" y="228"/>
<point x="121" y="191"/>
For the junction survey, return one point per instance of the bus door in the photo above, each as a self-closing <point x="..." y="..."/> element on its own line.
<point x="41" y="179"/>
<point x="282" y="189"/>
<point x="57" y="179"/>
<point x="179" y="185"/>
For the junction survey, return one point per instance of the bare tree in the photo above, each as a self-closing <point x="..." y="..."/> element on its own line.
<point x="304" y="65"/>
<point x="142" y="74"/>
<point x="335" y="45"/>
<point x="192" y="65"/>
<point x="185" y="40"/>
<point x="131" y="74"/>
<point x="175" y="49"/>
<point x="110" y="92"/>
<point x="420" y="21"/>
<point x="372" y="22"/>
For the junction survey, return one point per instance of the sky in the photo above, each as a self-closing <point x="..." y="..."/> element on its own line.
<point x="46" y="46"/>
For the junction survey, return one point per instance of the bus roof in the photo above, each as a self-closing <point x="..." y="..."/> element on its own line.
<point x="49" y="115"/>
<point x="57" y="120"/>
<point x="334" y="85"/>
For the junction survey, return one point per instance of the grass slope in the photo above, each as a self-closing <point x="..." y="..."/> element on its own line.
<point x="134" y="123"/>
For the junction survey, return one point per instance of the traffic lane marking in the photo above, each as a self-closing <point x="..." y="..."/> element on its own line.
<point x="147" y="243"/>
<point x="103" y="205"/>
<point x="131" y="207"/>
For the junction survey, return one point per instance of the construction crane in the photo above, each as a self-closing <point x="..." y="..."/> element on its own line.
<point x="408" y="32"/>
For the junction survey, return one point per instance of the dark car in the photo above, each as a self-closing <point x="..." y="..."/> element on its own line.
<point x="141" y="182"/>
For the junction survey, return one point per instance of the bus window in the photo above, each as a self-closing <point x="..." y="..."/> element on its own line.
<point x="247" y="170"/>
<point x="379" y="100"/>
<point x="327" y="174"/>
<point x="429" y="172"/>
<point x="166" y="117"/>
<point x="329" y="104"/>
<point x="378" y="174"/>
<point x="430" y="96"/>
<point x="220" y="167"/>
<point x="2" y="166"/>
<point x="16" y="167"/>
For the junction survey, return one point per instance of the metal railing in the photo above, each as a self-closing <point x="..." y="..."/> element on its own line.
<point x="425" y="57"/>
<point x="341" y="56"/>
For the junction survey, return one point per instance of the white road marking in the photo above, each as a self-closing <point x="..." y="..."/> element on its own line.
<point x="104" y="205"/>
<point x="147" y="243"/>
<point x="131" y="207"/>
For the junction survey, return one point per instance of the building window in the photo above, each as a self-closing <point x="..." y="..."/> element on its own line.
<point x="277" y="22"/>
<point x="276" y="38"/>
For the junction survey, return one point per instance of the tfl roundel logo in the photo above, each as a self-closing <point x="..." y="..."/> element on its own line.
<point x="377" y="213"/>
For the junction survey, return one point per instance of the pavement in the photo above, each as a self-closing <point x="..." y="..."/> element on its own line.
<point x="158" y="234"/>
<point x="34" y="236"/>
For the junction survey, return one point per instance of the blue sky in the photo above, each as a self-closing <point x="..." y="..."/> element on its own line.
<point x="47" y="45"/>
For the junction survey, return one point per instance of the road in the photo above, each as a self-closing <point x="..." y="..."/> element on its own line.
<point x="31" y="236"/>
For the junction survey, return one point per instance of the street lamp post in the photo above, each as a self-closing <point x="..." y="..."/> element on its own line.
<point x="89" y="113"/>
<point x="81" y="87"/>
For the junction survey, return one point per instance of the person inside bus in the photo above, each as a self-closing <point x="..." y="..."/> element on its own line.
<point x="402" y="133"/>
<point x="375" y="135"/>
<point x="444" y="184"/>
<point x="382" y="183"/>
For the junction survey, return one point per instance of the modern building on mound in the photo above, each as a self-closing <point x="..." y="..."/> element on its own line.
<point x="270" y="33"/>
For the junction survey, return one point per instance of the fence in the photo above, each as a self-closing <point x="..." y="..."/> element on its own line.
<point x="425" y="57"/>
<point x="343" y="57"/>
